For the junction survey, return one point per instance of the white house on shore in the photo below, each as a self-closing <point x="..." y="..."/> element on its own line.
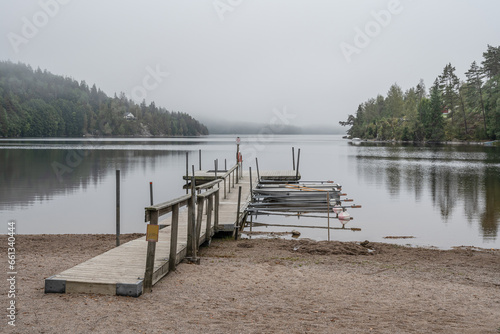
<point x="129" y="116"/>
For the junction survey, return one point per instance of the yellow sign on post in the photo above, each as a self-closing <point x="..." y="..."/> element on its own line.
<point x="152" y="232"/>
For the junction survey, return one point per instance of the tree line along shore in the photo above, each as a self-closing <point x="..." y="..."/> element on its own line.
<point x="36" y="103"/>
<point x="452" y="109"/>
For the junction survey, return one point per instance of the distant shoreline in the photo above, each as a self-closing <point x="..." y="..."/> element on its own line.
<point x="470" y="142"/>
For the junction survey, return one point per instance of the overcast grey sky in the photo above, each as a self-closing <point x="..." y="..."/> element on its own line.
<point x="240" y="59"/>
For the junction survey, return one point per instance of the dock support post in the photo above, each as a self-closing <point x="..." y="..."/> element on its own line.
<point x="251" y="187"/>
<point x="174" y="228"/>
<point x="236" y="225"/>
<point x="215" y="167"/>
<point x="199" y="158"/>
<point x="150" y="257"/>
<point x="187" y="174"/>
<point x="117" y="207"/>
<point x="328" y="207"/>
<point x="293" y="157"/>
<point x="297" y="171"/>
<point x="151" y="193"/>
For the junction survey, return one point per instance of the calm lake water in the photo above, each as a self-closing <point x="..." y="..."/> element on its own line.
<point x="441" y="195"/>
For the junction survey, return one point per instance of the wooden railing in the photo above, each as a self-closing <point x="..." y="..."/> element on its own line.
<point x="233" y="172"/>
<point x="194" y="222"/>
<point x="227" y="176"/>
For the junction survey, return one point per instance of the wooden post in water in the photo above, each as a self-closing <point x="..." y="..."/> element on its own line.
<point x="298" y="161"/>
<point x="225" y="165"/>
<point x="151" y="193"/>
<point x="174" y="228"/>
<point x="251" y="188"/>
<point x="238" y="140"/>
<point x="293" y="157"/>
<point x="150" y="256"/>
<point x="236" y="225"/>
<point x="215" y="168"/>
<point x="328" y="207"/>
<point x="199" y="158"/>
<point x="117" y="207"/>
<point x="257" y="165"/>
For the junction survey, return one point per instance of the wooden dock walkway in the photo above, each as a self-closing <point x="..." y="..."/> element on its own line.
<point x="121" y="270"/>
<point x="137" y="265"/>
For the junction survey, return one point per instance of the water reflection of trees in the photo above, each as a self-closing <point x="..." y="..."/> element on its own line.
<point x="28" y="175"/>
<point x="469" y="184"/>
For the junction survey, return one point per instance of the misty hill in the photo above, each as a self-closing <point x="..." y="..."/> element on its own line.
<point x="36" y="103"/>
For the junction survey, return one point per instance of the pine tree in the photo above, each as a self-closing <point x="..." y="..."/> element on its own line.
<point x="474" y="88"/>
<point x="436" y="113"/>
<point x="448" y="83"/>
<point x="491" y="62"/>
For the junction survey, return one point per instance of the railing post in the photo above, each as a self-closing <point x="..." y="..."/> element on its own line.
<point x="233" y="174"/>
<point x="208" y="232"/>
<point x="117" y="207"/>
<point x="229" y="180"/>
<point x="174" y="228"/>
<point x="225" y="188"/>
<point x="150" y="257"/>
<point x="191" y="239"/>
<point x="216" y="212"/>
<point x="199" y="218"/>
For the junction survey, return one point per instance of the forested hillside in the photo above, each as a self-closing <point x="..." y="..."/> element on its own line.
<point x="36" y="103"/>
<point x="454" y="109"/>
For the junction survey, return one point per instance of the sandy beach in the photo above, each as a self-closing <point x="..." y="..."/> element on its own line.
<point x="268" y="286"/>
